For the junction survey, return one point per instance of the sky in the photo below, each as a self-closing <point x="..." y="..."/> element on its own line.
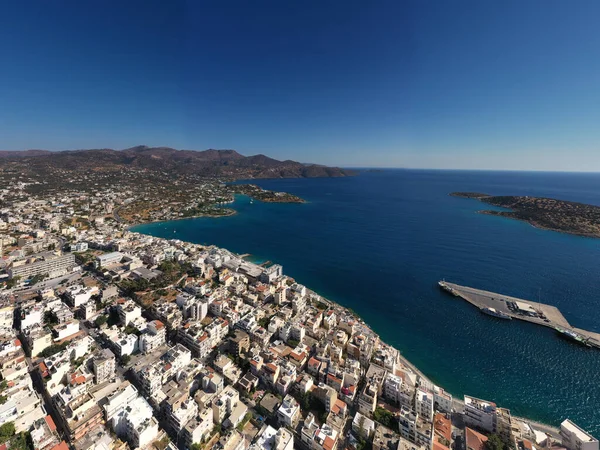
<point x="427" y="83"/>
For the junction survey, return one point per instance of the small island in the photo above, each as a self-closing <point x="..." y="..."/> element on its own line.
<point x="547" y="213"/>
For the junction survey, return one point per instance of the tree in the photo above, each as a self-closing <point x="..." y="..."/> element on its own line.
<point x="494" y="442"/>
<point x="386" y="418"/>
<point x="53" y="350"/>
<point x="20" y="442"/>
<point x="7" y="431"/>
<point x="50" y="318"/>
<point x="125" y="359"/>
<point x="196" y="446"/>
<point x="100" y="320"/>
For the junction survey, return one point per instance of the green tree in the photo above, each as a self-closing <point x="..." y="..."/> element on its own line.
<point x="7" y="431"/>
<point x="494" y="442"/>
<point x="196" y="446"/>
<point x="53" y="350"/>
<point x="50" y="318"/>
<point x="21" y="442"/>
<point x="125" y="359"/>
<point x="101" y="320"/>
<point x="386" y="418"/>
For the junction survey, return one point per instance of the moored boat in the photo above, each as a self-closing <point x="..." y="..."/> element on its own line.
<point x="572" y="336"/>
<point x="495" y="313"/>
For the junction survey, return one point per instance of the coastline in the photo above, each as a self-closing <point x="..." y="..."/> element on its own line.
<point x="458" y="402"/>
<point x="490" y="212"/>
<point x="231" y="212"/>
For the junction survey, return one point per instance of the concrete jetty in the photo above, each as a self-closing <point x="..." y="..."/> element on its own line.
<point x="526" y="310"/>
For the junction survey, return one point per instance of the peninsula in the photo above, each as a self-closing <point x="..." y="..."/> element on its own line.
<point x="547" y="213"/>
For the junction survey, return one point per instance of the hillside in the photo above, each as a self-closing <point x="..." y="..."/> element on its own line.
<point x="226" y="164"/>
<point x="547" y="213"/>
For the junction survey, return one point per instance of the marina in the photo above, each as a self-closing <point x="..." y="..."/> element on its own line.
<point x="506" y="307"/>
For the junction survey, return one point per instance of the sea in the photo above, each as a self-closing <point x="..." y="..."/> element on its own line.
<point x="380" y="241"/>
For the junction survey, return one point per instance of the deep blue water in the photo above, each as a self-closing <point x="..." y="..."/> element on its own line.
<point x="379" y="242"/>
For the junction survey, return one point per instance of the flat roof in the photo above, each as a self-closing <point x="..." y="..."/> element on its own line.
<point x="581" y="434"/>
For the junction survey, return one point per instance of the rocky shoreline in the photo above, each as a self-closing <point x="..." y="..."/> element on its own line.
<point x="575" y="218"/>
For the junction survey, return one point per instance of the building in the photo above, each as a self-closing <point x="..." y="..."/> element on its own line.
<point x="224" y="404"/>
<point x="273" y="439"/>
<point x="240" y="343"/>
<point x="108" y="259"/>
<point x="289" y="412"/>
<point x="104" y="365"/>
<point x="574" y="438"/>
<point x="47" y="263"/>
<point x="65" y="330"/>
<point x="424" y="404"/>
<point x="480" y="414"/>
<point x="128" y="311"/>
<point x="153" y="337"/>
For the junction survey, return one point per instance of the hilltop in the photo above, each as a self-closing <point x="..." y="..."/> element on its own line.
<point x="226" y="164"/>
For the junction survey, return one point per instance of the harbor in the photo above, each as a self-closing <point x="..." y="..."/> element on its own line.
<point x="506" y="307"/>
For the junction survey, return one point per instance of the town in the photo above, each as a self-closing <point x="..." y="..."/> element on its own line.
<point x="113" y="340"/>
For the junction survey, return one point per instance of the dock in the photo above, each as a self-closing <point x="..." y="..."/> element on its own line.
<point x="520" y="309"/>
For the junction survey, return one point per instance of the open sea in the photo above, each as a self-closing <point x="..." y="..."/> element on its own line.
<point x="379" y="243"/>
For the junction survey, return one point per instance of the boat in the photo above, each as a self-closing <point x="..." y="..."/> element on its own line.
<point x="495" y="313"/>
<point x="572" y="336"/>
<point x="442" y="284"/>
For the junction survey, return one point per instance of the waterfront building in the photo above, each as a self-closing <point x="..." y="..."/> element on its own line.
<point x="480" y="414"/>
<point x="574" y="438"/>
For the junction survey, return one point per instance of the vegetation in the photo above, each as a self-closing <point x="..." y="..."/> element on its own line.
<point x="50" y="319"/>
<point x="309" y="403"/>
<point x="36" y="279"/>
<point x="53" y="350"/>
<point x="546" y="213"/>
<point x="244" y="421"/>
<point x="386" y="418"/>
<point x="494" y="442"/>
<point x="7" y="431"/>
<point x="129" y="329"/>
<point x="161" y="444"/>
<point x="125" y="359"/>
<point x="101" y="320"/>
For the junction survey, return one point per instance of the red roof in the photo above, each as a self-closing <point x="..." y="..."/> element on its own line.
<point x="475" y="440"/>
<point x="50" y="423"/>
<point x="62" y="446"/>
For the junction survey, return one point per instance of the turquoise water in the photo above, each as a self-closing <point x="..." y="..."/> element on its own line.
<point x="379" y="242"/>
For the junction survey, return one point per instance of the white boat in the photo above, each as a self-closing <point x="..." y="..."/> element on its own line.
<point x="495" y="313"/>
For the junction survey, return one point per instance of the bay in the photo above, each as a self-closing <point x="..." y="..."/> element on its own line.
<point x="379" y="243"/>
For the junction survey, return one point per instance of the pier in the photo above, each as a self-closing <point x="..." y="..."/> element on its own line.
<point x="526" y="310"/>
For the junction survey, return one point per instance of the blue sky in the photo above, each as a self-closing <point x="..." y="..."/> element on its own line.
<point x="434" y="84"/>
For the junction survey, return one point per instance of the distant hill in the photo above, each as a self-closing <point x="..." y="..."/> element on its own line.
<point x="208" y="163"/>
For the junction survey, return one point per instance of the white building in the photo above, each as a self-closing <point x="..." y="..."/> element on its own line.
<point x="108" y="259"/>
<point x="480" y="414"/>
<point x="79" y="295"/>
<point x="153" y="337"/>
<point x="274" y="439"/>
<point x="65" y="330"/>
<point x="424" y="404"/>
<point x="128" y="312"/>
<point x="574" y="438"/>
<point x="289" y="411"/>
<point x="442" y="399"/>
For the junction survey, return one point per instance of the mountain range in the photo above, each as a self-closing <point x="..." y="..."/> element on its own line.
<point x="209" y="163"/>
